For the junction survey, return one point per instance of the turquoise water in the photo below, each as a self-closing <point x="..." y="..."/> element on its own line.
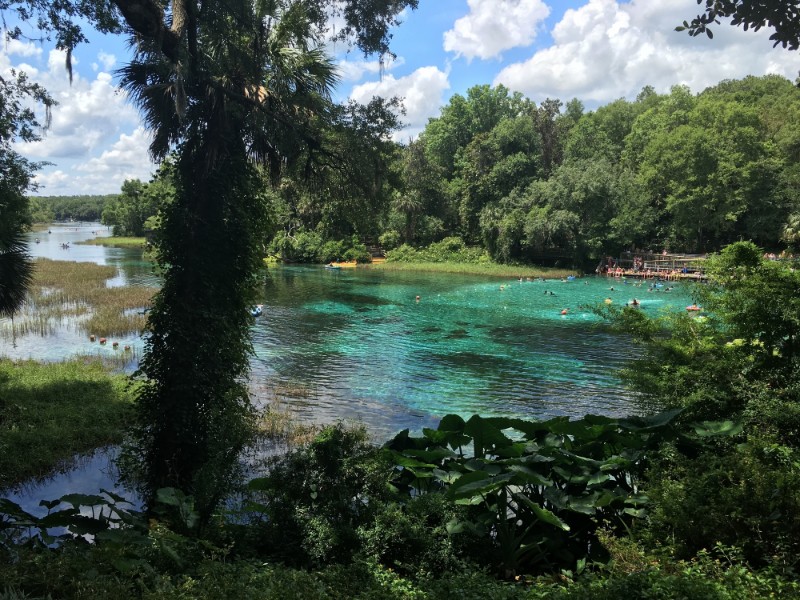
<point x="367" y="349"/>
<point x="360" y="346"/>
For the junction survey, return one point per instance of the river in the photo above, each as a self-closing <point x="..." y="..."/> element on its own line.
<point x="356" y="344"/>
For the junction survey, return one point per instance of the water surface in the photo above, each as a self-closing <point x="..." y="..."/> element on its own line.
<point x="358" y="345"/>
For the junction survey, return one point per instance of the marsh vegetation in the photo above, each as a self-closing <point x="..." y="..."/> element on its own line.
<point x="76" y="294"/>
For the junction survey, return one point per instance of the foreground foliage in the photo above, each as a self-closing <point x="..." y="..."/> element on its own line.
<point x="49" y="413"/>
<point x="739" y="362"/>
<point x="346" y="535"/>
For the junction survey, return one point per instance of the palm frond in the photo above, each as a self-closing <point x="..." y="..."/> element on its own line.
<point x="16" y="273"/>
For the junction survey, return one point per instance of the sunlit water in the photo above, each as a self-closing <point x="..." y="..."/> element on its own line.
<point x="366" y="348"/>
<point x="359" y="346"/>
<point x="69" y="340"/>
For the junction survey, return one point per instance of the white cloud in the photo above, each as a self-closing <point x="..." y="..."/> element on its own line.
<point x="421" y="92"/>
<point x="90" y="113"/>
<point x="126" y="159"/>
<point x="493" y="26"/>
<point x="107" y="60"/>
<point x="354" y="70"/>
<point x="607" y="49"/>
<point x="20" y="48"/>
<point x="94" y="140"/>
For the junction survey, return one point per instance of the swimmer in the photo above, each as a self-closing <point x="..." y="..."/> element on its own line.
<point x="417" y="298"/>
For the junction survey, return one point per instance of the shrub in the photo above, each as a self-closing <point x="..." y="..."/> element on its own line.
<point x="451" y="249"/>
<point x="389" y="240"/>
<point x="331" y="251"/>
<point x="315" y="498"/>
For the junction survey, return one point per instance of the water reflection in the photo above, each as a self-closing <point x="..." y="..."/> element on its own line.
<point x="62" y="242"/>
<point x="363" y="348"/>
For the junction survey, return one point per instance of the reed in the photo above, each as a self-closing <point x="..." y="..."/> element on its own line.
<point x="118" y="242"/>
<point x="277" y="422"/>
<point x="76" y="294"/>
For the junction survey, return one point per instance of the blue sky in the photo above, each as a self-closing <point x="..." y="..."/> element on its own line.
<point x="594" y="50"/>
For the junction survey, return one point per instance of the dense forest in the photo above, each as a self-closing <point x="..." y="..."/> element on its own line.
<point x="535" y="184"/>
<point x="685" y="172"/>
<point x="47" y="209"/>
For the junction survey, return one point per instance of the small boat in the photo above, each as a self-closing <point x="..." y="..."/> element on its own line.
<point x="693" y="308"/>
<point x="332" y="267"/>
<point x="256" y="310"/>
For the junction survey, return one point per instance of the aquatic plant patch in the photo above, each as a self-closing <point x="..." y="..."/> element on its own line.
<point x="75" y="294"/>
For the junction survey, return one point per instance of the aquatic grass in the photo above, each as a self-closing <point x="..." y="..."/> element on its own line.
<point x="107" y="321"/>
<point x="118" y="242"/>
<point x="77" y="293"/>
<point x="277" y="422"/>
<point x="487" y="269"/>
<point x="51" y="412"/>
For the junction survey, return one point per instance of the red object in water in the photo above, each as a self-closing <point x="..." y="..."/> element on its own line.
<point x="563" y="312"/>
<point x="103" y="340"/>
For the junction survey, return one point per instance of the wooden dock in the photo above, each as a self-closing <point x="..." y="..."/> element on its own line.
<point x="669" y="267"/>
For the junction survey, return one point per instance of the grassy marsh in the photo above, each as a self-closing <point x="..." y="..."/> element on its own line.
<point x="488" y="269"/>
<point x="76" y="292"/>
<point x="51" y="412"/>
<point x="119" y="242"/>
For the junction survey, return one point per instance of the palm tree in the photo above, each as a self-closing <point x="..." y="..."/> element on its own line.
<point x="410" y="205"/>
<point x="18" y="123"/>
<point x="248" y="88"/>
<point x="16" y="267"/>
<point x="791" y="231"/>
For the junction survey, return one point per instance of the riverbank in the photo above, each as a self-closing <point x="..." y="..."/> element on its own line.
<point x="64" y="291"/>
<point x="51" y="412"/>
<point x="117" y="242"/>
<point x="487" y="269"/>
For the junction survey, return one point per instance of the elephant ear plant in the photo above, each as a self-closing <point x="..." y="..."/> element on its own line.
<point x="538" y="492"/>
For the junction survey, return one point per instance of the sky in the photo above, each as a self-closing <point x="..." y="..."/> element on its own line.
<point x="593" y="50"/>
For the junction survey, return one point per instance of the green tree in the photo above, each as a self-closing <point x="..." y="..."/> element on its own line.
<point x="229" y="86"/>
<point x="781" y="16"/>
<point x="139" y="203"/>
<point x="18" y="123"/>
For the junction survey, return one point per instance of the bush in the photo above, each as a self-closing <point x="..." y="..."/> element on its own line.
<point x="412" y="538"/>
<point x="358" y="252"/>
<point x="746" y="496"/>
<point x="389" y="240"/>
<point x="451" y="249"/>
<point x="331" y="251"/>
<point x="318" y="496"/>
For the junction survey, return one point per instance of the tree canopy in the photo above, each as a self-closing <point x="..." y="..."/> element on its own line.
<point x="782" y="16"/>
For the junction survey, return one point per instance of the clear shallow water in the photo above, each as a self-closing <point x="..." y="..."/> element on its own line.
<point x="360" y="347"/>
<point x="366" y="349"/>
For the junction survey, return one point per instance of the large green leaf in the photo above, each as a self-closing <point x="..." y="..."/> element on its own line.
<point x="717" y="428"/>
<point x="541" y="513"/>
<point x="475" y="485"/>
<point x="78" y="500"/>
<point x="485" y="436"/>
